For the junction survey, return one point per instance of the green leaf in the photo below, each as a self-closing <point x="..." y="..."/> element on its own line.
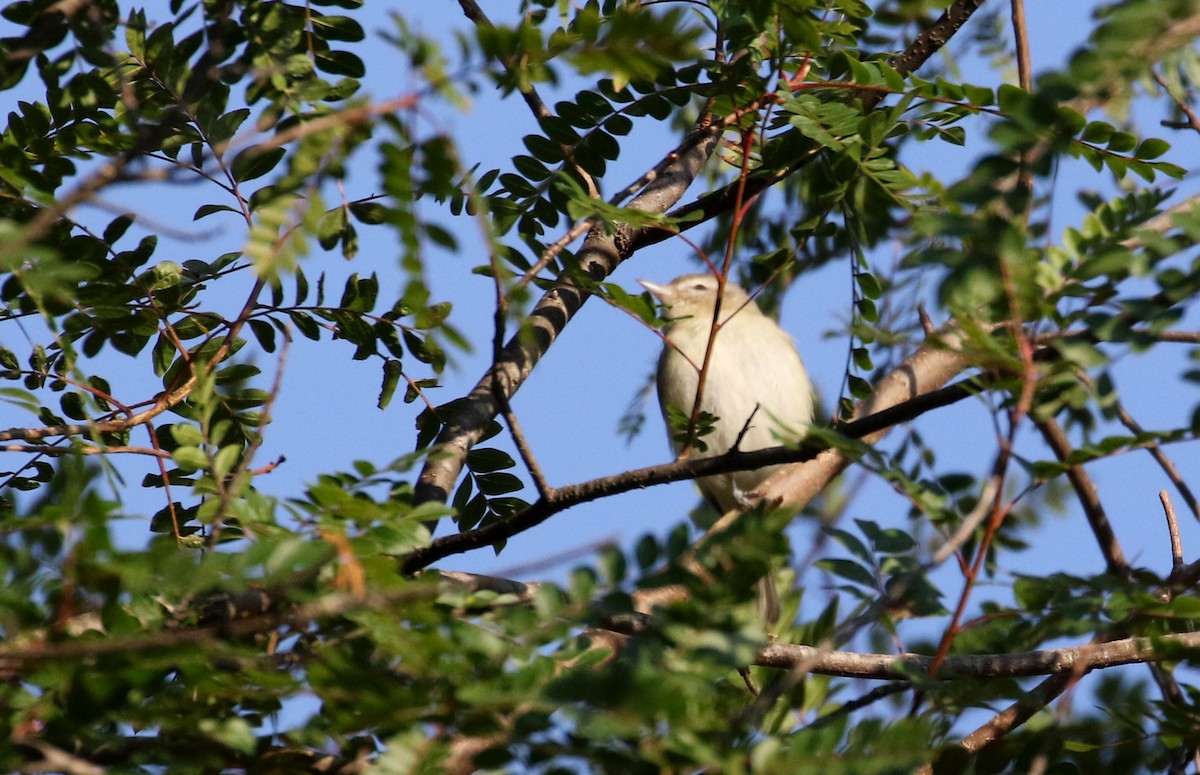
<point x="498" y="483"/>
<point x="186" y="434"/>
<point x="1151" y="148"/>
<point x="370" y="213"/>
<point x="206" y="210"/>
<point x="255" y="161"/>
<point x="341" y="63"/>
<point x="341" y="28"/>
<point x="392" y="371"/>
<point x="190" y="458"/>
<point x="1098" y="132"/>
<point x="486" y="460"/>
<point x="1121" y="142"/>
<point x="849" y="570"/>
<point x="225" y="459"/>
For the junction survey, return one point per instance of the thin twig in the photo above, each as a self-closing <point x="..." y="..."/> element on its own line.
<point x="529" y="93"/>
<point x="523" y="449"/>
<point x="55" y="451"/>
<point x="970" y="523"/>
<point x="1193" y="119"/>
<point x="499" y="325"/>
<point x="1000" y="510"/>
<point x="1021" y="39"/>
<point x="1172" y="531"/>
<point x="1156" y="451"/>
<point x="1014" y="715"/>
<point x="870" y="698"/>
<point x="230" y="488"/>
<point x="1085" y="491"/>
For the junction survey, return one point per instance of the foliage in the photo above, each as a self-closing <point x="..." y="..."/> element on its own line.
<point x="235" y="630"/>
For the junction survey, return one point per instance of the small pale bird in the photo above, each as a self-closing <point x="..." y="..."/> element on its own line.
<point x="756" y="386"/>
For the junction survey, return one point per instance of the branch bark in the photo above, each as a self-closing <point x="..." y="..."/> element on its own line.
<point x="898" y="398"/>
<point x="599" y="256"/>
<point x="602" y="253"/>
<point x="1089" y="498"/>
<point x="933" y="365"/>
<point x="1073" y="661"/>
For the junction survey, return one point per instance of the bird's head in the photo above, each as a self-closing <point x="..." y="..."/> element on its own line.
<point x="694" y="295"/>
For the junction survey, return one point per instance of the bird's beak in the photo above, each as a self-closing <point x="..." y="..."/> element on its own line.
<point x="660" y="292"/>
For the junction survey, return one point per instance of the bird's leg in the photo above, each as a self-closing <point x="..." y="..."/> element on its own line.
<point x="742" y="497"/>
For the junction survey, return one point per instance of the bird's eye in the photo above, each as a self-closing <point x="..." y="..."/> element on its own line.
<point x="699" y="287"/>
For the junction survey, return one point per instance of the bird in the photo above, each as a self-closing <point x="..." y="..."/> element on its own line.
<point x="756" y="386"/>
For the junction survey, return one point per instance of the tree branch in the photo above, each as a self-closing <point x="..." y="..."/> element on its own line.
<point x="1074" y="661"/>
<point x="712" y="204"/>
<point x="602" y="253"/>
<point x="924" y="372"/>
<point x="1089" y="499"/>
<point x="599" y="256"/>
<point x="868" y="427"/>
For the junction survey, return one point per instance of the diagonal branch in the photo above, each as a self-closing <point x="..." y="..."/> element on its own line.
<point x="914" y="388"/>
<point x="924" y="372"/>
<point x="602" y="253"/>
<point x="715" y="203"/>
<point x="1089" y="499"/>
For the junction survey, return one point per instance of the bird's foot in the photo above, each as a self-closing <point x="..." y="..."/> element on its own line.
<point x="743" y="497"/>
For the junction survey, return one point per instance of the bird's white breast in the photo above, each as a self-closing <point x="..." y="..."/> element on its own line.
<point x="754" y="365"/>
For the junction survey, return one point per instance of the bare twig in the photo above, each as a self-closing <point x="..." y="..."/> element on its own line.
<point x="1021" y="39"/>
<point x="1172" y="531"/>
<point x="971" y="522"/>
<point x="1156" y="451"/>
<point x="524" y="450"/>
<point x="1193" y="119"/>
<point x="1089" y="499"/>
<point x="50" y="449"/>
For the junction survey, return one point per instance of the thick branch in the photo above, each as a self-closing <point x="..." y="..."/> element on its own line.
<point x="924" y="372"/>
<point x="602" y="253"/>
<point x="893" y="410"/>
<point x="1070" y="661"/>
<point x="599" y="256"/>
<point x="715" y="203"/>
